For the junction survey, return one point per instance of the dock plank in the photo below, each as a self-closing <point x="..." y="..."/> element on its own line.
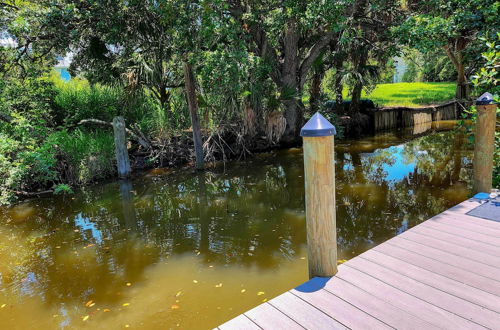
<point x="452" y="238"/>
<point x="462" y="222"/>
<point x="464" y="275"/>
<point x="304" y="313"/>
<point x="439" y="298"/>
<point x="387" y="313"/>
<point x="341" y="310"/>
<point x="452" y="248"/>
<point x="428" y="312"/>
<point x="443" y="273"/>
<point x="445" y="257"/>
<point x="267" y="316"/>
<point x="445" y="284"/>
<point x="472" y="219"/>
<point x="239" y="323"/>
<point x="456" y="230"/>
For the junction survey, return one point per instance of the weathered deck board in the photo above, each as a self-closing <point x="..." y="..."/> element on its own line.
<point x="443" y="273"/>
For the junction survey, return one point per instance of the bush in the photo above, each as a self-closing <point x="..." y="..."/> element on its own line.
<point x="81" y="156"/>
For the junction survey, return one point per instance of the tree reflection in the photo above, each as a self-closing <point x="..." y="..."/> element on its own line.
<point x="252" y="215"/>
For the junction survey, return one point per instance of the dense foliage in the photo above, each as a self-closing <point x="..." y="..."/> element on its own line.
<point x="257" y="71"/>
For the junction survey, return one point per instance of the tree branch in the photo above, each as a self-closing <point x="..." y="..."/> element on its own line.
<point x="452" y="57"/>
<point x="313" y="54"/>
<point x="135" y="133"/>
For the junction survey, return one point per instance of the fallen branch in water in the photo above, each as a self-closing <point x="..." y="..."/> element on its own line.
<point x="34" y="193"/>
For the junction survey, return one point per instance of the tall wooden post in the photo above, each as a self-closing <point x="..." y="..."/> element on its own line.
<point x="484" y="145"/>
<point x="122" y="160"/>
<point x="319" y="169"/>
<point x="193" y="110"/>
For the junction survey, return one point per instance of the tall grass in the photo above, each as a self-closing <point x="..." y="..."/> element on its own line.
<point x="77" y="99"/>
<point x="82" y="156"/>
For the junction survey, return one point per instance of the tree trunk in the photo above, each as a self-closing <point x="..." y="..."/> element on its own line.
<point x="462" y="91"/>
<point x="339" y="87"/>
<point x="359" y="61"/>
<point x="193" y="110"/>
<point x="291" y="92"/>
<point x="165" y="100"/>
<point x="122" y="160"/>
<point x="315" y="92"/>
<point x="456" y="58"/>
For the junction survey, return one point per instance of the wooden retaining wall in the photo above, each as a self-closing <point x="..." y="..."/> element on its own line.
<point x="395" y="117"/>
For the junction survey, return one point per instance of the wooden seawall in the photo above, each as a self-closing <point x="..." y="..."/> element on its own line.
<point x="441" y="274"/>
<point x="395" y="117"/>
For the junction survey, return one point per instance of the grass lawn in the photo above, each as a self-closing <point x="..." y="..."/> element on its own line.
<point x="412" y="94"/>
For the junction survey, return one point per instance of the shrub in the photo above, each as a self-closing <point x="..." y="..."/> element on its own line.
<point x="81" y="156"/>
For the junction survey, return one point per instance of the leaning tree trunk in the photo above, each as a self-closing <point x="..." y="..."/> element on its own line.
<point x="193" y="110"/>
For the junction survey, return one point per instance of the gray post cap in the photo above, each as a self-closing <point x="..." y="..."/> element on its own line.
<point x="318" y="126"/>
<point x="486" y="98"/>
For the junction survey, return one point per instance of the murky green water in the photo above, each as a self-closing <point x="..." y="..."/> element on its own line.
<point x="190" y="251"/>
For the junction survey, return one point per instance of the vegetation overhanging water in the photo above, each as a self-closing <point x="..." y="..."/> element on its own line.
<point x="173" y="249"/>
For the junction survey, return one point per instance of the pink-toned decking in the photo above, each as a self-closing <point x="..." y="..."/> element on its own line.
<point x="441" y="274"/>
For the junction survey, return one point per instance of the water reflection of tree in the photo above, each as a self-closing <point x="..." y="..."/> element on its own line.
<point x="250" y="216"/>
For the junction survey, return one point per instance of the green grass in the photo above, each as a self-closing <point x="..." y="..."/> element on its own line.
<point x="412" y="94"/>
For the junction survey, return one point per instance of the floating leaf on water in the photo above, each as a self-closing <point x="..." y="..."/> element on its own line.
<point x="264" y="300"/>
<point x="126" y="304"/>
<point x="218" y="285"/>
<point x="174" y="306"/>
<point x="106" y="310"/>
<point x="90" y="302"/>
<point x="85" y="318"/>
<point x="260" y="293"/>
<point x="341" y="261"/>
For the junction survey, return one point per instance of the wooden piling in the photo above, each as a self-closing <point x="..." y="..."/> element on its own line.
<point x="122" y="160"/>
<point x="484" y="147"/>
<point x="319" y="169"/>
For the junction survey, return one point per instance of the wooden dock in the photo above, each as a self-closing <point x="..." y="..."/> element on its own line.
<point x="441" y="274"/>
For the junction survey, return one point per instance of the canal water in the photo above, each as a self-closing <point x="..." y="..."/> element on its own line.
<point x="182" y="250"/>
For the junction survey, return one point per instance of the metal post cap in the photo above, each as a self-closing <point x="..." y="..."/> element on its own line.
<point x="486" y="98"/>
<point x="318" y="126"/>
